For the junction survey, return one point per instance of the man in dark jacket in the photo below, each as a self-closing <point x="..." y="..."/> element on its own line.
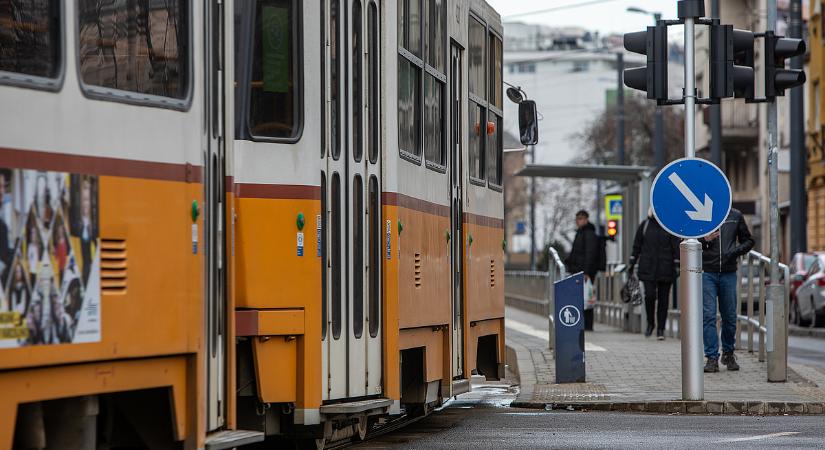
<point x="584" y="257"/>
<point x="657" y="253"/>
<point x="720" y="256"/>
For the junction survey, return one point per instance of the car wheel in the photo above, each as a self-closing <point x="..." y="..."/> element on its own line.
<point x="793" y="314"/>
<point x="819" y="320"/>
<point x="803" y="322"/>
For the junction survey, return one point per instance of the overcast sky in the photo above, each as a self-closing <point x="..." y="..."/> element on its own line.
<point x="606" y="17"/>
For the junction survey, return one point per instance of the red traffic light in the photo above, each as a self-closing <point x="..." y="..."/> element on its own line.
<point x="612" y="228"/>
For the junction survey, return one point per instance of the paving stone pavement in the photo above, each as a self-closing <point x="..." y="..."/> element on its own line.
<point x="636" y="369"/>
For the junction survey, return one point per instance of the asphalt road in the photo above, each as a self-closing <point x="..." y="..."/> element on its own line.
<point x="806" y="350"/>
<point x="481" y="420"/>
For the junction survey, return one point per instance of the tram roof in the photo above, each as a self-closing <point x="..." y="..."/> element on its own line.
<point x="585" y="171"/>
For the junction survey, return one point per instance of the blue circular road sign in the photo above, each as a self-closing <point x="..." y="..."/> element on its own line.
<point x="690" y="197"/>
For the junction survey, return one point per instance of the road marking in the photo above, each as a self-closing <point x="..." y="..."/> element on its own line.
<point x="543" y="334"/>
<point x="703" y="211"/>
<point x="762" y="436"/>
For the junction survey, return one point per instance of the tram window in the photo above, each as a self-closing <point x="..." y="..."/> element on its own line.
<point x="357" y="83"/>
<point x="433" y="120"/>
<point x="478" y="34"/>
<point x="409" y="107"/>
<point x="496" y="84"/>
<point x="409" y="26"/>
<point x="334" y="80"/>
<point x="30" y="37"/>
<point x="335" y="261"/>
<point x="375" y="258"/>
<point x="274" y="103"/>
<point x="358" y="257"/>
<point x="373" y="72"/>
<point x="435" y="34"/>
<point x="494" y="146"/>
<point x="476" y="147"/>
<point x="323" y="77"/>
<point x="138" y="47"/>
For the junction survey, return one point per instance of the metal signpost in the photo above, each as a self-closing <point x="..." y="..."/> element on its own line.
<point x="691" y="198"/>
<point x="701" y="186"/>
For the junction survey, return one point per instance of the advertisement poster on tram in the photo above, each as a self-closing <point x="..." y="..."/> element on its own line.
<point x="49" y="258"/>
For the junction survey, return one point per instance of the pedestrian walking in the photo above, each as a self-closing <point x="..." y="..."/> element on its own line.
<point x="584" y="257"/>
<point x="720" y="256"/>
<point x="657" y="254"/>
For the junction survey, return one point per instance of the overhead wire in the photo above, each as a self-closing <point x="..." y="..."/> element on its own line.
<point x="558" y="8"/>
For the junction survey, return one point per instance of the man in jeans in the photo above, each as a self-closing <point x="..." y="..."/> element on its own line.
<point x="720" y="256"/>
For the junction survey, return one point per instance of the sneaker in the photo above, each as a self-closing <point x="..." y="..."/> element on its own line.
<point x="660" y="335"/>
<point x="729" y="360"/>
<point x="712" y="365"/>
<point x="649" y="331"/>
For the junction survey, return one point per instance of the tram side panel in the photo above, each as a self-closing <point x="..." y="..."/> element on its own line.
<point x="104" y="289"/>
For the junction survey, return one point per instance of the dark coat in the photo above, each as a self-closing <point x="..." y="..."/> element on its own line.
<point x="721" y="254"/>
<point x="655" y="252"/>
<point x="584" y="256"/>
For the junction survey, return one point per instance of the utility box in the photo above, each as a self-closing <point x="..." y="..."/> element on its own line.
<point x="569" y="329"/>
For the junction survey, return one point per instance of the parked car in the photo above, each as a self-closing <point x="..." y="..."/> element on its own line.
<point x="808" y="308"/>
<point x="799" y="266"/>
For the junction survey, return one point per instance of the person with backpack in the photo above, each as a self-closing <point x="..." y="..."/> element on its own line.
<point x="584" y="257"/>
<point x="657" y="253"/>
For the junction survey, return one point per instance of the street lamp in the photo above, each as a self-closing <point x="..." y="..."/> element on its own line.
<point x="658" y="133"/>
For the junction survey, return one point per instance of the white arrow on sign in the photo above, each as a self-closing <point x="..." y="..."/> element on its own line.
<point x="702" y="212"/>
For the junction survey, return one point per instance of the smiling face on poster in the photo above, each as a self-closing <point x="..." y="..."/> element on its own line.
<point x="49" y="258"/>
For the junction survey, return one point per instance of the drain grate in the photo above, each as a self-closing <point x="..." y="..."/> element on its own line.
<point x="573" y="392"/>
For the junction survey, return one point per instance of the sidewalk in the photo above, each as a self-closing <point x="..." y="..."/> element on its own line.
<point x="627" y="372"/>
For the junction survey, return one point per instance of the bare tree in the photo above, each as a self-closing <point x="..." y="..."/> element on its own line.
<point x="599" y="137"/>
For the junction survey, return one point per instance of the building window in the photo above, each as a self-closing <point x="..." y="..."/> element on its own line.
<point x="30" y="37"/>
<point x="140" y="47"/>
<point x="422" y="79"/>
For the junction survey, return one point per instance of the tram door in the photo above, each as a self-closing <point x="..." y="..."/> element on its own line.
<point x="456" y="194"/>
<point x="214" y="213"/>
<point x="352" y="337"/>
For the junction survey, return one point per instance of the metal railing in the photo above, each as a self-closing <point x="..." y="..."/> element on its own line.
<point x="533" y="290"/>
<point x="609" y="308"/>
<point x="751" y="283"/>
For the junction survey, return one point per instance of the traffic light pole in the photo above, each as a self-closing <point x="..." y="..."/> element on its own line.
<point x="690" y="325"/>
<point x="775" y="314"/>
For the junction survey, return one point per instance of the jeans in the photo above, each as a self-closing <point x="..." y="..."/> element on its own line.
<point x="656" y="294"/>
<point x="723" y="286"/>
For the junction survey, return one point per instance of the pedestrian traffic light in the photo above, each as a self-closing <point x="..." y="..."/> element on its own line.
<point x="612" y="229"/>
<point x="777" y="77"/>
<point x="653" y="77"/>
<point x="731" y="62"/>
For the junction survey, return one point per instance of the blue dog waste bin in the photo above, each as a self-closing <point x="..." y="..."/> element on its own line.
<point x="569" y="326"/>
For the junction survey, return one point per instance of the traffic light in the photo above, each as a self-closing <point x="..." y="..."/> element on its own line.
<point x="612" y="229"/>
<point x="777" y="77"/>
<point x="653" y="77"/>
<point x="731" y="62"/>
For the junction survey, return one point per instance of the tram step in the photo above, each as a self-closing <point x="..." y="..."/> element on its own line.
<point x="224" y="439"/>
<point x="356" y="407"/>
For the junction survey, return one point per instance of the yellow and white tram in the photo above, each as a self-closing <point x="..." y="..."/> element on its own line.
<point x="228" y="220"/>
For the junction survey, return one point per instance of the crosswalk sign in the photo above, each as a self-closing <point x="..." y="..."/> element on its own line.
<point x="613" y="207"/>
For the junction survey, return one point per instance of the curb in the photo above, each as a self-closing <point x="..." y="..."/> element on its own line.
<point x="818" y="333"/>
<point x="687" y="407"/>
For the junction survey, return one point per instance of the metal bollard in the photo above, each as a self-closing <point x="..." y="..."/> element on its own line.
<point x="690" y="325"/>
